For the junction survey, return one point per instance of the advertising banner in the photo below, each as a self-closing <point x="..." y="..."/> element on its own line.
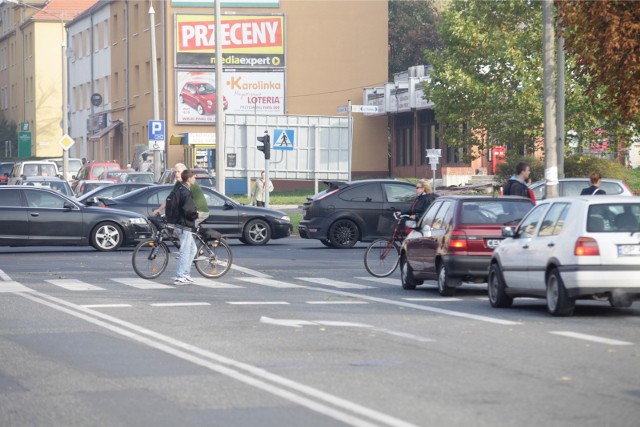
<point x="225" y="3"/>
<point x="245" y="92"/>
<point x="247" y="41"/>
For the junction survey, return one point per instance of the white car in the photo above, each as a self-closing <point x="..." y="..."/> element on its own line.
<point x="570" y="248"/>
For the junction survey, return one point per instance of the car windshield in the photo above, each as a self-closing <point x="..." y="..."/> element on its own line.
<point x="495" y="211"/>
<point x="206" y="89"/>
<point x="613" y="217"/>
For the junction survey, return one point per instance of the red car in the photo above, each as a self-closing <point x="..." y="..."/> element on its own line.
<point x="455" y="238"/>
<point x="5" y="171"/>
<point x="200" y="96"/>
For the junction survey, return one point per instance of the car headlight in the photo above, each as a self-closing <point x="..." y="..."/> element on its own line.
<point x="138" y="220"/>
<point x="285" y="218"/>
<point x="209" y="104"/>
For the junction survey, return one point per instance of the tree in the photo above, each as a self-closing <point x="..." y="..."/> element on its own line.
<point x="8" y="132"/>
<point x="411" y="30"/>
<point x="486" y="84"/>
<point x="604" y="39"/>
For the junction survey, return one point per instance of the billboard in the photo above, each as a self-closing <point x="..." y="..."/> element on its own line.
<point x="225" y="3"/>
<point x="248" y="41"/>
<point x="245" y="92"/>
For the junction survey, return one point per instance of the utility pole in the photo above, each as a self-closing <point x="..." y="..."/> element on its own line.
<point x="548" y="93"/>
<point x="157" y="159"/>
<point x="220" y="152"/>
<point x="560" y="100"/>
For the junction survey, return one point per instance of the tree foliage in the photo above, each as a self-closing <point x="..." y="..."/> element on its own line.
<point x="604" y="39"/>
<point x="411" y="31"/>
<point x="486" y="84"/>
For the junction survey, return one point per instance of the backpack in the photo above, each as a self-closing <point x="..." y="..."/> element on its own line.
<point x="172" y="206"/>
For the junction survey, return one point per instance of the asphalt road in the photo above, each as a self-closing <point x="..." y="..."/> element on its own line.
<point x="296" y="334"/>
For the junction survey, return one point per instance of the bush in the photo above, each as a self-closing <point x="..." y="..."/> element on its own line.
<point x="581" y="166"/>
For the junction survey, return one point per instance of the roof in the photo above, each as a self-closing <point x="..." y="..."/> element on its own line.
<point x="64" y="10"/>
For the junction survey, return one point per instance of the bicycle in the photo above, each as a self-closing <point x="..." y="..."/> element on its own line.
<point x="151" y="256"/>
<point x="383" y="255"/>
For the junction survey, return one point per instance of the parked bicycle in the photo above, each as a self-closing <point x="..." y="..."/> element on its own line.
<point x="383" y="255"/>
<point x="150" y="257"/>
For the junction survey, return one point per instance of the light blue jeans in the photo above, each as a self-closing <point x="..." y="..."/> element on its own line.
<point x="187" y="253"/>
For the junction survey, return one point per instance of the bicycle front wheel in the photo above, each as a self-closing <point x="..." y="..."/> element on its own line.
<point x="215" y="259"/>
<point x="381" y="257"/>
<point x="150" y="258"/>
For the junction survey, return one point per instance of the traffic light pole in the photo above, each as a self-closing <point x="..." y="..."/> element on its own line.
<point x="266" y="183"/>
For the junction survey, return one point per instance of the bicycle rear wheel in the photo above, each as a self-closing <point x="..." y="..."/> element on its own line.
<point x="150" y="258"/>
<point x="218" y="259"/>
<point x="381" y="257"/>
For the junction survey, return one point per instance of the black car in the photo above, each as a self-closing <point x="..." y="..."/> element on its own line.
<point x="110" y="191"/>
<point x="252" y="225"/>
<point x="348" y="212"/>
<point x="31" y="216"/>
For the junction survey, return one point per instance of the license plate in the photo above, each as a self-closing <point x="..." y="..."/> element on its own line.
<point x="628" y="250"/>
<point x="493" y="243"/>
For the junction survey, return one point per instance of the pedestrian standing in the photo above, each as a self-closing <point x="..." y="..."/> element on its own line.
<point x="184" y="225"/>
<point x="258" y="196"/>
<point x="594" y="189"/>
<point x="517" y="184"/>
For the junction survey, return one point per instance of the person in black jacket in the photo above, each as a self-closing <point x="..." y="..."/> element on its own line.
<point x="596" y="180"/>
<point x="517" y="184"/>
<point x="422" y="201"/>
<point x="184" y="225"/>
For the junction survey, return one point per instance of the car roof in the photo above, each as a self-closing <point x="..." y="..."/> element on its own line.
<point x="594" y="199"/>
<point x="42" y="178"/>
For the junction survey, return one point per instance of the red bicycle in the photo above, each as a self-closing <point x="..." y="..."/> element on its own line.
<point x="383" y="255"/>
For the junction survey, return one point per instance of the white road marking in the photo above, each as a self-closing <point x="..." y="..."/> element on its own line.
<point x="443" y="299"/>
<point x="106" y="305"/>
<point x="257" y="302"/>
<point x="334" y="283"/>
<point x="4" y="276"/>
<point x="74" y="285"/>
<point x="591" y="338"/>
<point x="210" y="283"/>
<point x="11" y="286"/>
<point x="384" y="280"/>
<point x="139" y="283"/>
<point x="298" y="323"/>
<point x="250" y="271"/>
<point x="269" y="282"/>
<point x="336" y="302"/>
<point x="316" y="400"/>
<point x="178" y="304"/>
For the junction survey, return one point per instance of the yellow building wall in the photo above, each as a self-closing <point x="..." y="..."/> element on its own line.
<point x="43" y="73"/>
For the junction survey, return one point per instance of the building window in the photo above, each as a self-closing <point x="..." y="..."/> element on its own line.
<point x="404" y="140"/>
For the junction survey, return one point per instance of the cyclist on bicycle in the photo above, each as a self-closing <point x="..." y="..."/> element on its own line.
<point x="423" y="199"/>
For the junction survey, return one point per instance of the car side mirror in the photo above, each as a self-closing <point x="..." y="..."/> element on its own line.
<point x="508" y="231"/>
<point x="68" y="205"/>
<point x="426" y="231"/>
<point x="410" y="223"/>
<point x="228" y="205"/>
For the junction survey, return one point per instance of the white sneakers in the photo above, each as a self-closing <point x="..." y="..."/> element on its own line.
<point x="180" y="281"/>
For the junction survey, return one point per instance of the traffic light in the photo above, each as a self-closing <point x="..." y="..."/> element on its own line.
<point x="266" y="148"/>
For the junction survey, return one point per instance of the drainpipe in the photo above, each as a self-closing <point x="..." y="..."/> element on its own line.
<point x="126" y="81"/>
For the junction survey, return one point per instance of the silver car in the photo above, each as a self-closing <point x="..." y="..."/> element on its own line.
<point x="570" y="248"/>
<point x="569" y="187"/>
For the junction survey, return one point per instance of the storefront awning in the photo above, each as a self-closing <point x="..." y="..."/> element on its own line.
<point x="102" y="132"/>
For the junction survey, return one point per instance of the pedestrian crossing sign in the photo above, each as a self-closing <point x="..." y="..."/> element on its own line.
<point x="283" y="139"/>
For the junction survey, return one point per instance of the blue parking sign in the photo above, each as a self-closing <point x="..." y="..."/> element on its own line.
<point x="156" y="130"/>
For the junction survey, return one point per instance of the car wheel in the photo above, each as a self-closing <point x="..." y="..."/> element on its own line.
<point x="326" y="242"/>
<point x="620" y="300"/>
<point x="257" y="232"/>
<point x="406" y="275"/>
<point x="446" y="285"/>
<point x="200" y="109"/>
<point x="106" y="237"/>
<point x="343" y="234"/>
<point x="558" y="302"/>
<point x="497" y="288"/>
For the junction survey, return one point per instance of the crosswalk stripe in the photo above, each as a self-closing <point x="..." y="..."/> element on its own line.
<point x="12" y="286"/>
<point x="269" y="282"/>
<point x="336" y="302"/>
<point x="333" y="283"/>
<point x="138" y="283"/>
<point x="74" y="285"/>
<point x="384" y="280"/>
<point x="214" y="284"/>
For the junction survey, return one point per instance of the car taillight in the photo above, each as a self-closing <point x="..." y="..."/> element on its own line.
<point x="586" y="246"/>
<point x="458" y="241"/>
